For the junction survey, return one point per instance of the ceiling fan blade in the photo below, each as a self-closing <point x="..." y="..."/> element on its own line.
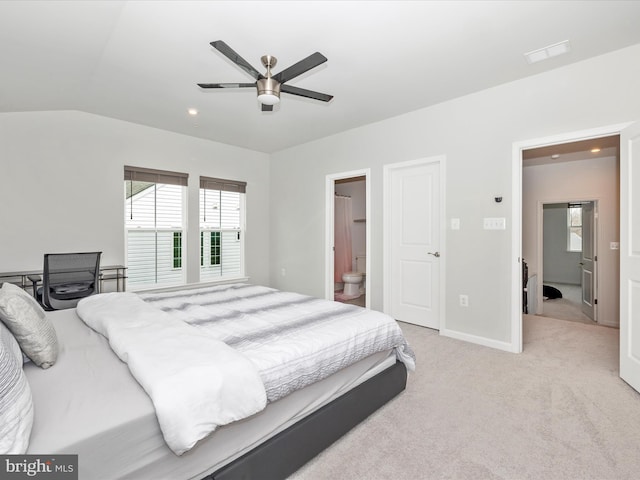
<point x="231" y="54"/>
<point x="226" y="85"/>
<point x="301" y="92"/>
<point x="299" y="68"/>
<point x="267" y="108"/>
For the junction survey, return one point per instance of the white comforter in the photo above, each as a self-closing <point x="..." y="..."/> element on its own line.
<point x="294" y="340"/>
<point x="239" y="346"/>
<point x="209" y="384"/>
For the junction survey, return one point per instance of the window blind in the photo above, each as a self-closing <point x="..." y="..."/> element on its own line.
<point x="150" y="175"/>
<point x="210" y="183"/>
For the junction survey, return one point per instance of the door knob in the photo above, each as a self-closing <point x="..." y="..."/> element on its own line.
<point x="436" y="254"/>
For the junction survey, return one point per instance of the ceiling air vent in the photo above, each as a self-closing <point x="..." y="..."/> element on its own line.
<point x="548" y="52"/>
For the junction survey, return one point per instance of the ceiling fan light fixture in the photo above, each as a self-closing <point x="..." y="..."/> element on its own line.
<point x="268" y="91"/>
<point x="269" y="87"/>
<point x="268" y="98"/>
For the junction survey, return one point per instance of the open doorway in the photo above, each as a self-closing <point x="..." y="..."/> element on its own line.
<point x="627" y="136"/>
<point x="569" y="266"/>
<point x="581" y="177"/>
<point x="347" y="238"/>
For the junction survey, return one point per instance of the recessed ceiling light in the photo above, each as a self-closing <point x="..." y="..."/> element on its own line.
<point x="555" y="155"/>
<point x="595" y="150"/>
<point x="192" y="111"/>
<point x="548" y="52"/>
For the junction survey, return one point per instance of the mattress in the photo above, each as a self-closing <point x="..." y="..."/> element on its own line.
<point x="89" y="404"/>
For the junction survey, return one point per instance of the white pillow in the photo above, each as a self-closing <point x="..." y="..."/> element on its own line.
<point x="16" y="402"/>
<point x="29" y="324"/>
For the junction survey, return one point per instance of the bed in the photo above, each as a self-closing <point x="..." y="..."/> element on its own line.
<point x="91" y="402"/>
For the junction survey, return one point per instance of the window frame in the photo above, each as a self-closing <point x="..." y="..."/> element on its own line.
<point x="177" y="259"/>
<point x="219" y="186"/>
<point x="157" y="178"/>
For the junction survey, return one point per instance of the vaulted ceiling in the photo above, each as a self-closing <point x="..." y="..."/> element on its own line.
<point x="140" y="61"/>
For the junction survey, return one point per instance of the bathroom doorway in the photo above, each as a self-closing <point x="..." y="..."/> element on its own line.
<point x="347" y="238"/>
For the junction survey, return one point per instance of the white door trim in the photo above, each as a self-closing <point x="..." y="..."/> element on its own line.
<point x="516" y="213"/>
<point x="386" y="225"/>
<point x="329" y="230"/>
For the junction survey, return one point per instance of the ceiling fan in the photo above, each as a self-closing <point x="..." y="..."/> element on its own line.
<point x="269" y="86"/>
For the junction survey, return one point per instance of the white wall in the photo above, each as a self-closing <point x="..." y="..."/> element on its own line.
<point x="61" y="186"/>
<point x="476" y="133"/>
<point x="591" y="179"/>
<point x="559" y="264"/>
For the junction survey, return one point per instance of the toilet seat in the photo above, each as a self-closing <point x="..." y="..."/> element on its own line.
<point x="352" y="277"/>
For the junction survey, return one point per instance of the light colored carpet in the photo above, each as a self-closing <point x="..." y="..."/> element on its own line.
<point x="557" y="411"/>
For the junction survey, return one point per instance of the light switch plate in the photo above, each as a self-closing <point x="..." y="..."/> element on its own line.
<point x="499" y="223"/>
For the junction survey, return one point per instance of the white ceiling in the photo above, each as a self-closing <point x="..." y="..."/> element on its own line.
<point x="140" y="60"/>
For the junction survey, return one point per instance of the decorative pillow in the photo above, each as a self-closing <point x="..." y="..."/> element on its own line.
<point x="16" y="403"/>
<point x="26" y="319"/>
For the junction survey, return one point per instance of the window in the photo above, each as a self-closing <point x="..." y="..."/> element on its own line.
<point x="177" y="249"/>
<point x="221" y="228"/>
<point x="201" y="248"/>
<point x="215" y="248"/>
<point x="574" y="225"/>
<point x="214" y="244"/>
<point x="154" y="224"/>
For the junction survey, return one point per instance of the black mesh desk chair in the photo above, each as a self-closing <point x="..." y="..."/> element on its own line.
<point x="67" y="278"/>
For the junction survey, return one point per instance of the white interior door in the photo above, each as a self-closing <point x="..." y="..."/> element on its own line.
<point x="630" y="255"/>
<point x="587" y="260"/>
<point x="414" y="209"/>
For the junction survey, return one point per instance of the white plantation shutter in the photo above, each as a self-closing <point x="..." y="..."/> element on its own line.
<point x="154" y="222"/>
<point x="221" y="219"/>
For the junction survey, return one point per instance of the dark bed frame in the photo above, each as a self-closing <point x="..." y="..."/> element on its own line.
<point x="286" y="452"/>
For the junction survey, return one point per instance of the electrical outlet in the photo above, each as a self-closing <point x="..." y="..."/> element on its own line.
<point x="283" y="272"/>
<point x="455" y="224"/>
<point x="464" y="300"/>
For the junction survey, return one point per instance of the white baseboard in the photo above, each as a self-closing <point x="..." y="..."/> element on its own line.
<point x="487" y="342"/>
<point x="607" y="324"/>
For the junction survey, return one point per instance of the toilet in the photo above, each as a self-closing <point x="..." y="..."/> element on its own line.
<point x="353" y="280"/>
